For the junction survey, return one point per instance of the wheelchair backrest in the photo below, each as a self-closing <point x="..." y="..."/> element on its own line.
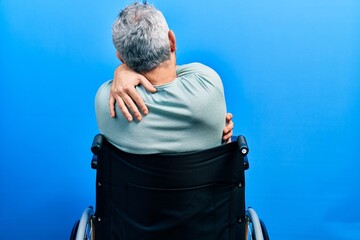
<point x="199" y="195"/>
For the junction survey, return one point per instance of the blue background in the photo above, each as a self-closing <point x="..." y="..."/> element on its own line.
<point x="292" y="79"/>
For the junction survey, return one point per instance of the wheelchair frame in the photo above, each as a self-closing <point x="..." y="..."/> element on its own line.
<point x="84" y="229"/>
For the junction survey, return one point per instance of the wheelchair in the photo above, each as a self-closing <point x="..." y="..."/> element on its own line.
<point x="182" y="196"/>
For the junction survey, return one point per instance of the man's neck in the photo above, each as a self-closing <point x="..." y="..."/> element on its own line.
<point x="163" y="74"/>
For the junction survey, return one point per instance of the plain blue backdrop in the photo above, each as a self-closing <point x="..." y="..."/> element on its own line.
<point x="291" y="75"/>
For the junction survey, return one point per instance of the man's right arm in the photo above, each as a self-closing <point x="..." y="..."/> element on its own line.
<point x="228" y="129"/>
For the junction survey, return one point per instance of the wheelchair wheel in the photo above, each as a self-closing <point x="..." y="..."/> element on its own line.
<point x="264" y="230"/>
<point x="85" y="227"/>
<point x="254" y="229"/>
<point x="74" y="230"/>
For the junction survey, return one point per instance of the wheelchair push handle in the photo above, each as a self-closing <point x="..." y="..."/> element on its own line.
<point x="97" y="144"/>
<point x="243" y="146"/>
<point x="95" y="149"/>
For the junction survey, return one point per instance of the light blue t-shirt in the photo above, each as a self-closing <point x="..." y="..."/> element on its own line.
<point x="187" y="114"/>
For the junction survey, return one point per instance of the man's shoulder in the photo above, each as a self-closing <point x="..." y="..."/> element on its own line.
<point x="105" y="86"/>
<point x="204" y="74"/>
<point x="195" y="67"/>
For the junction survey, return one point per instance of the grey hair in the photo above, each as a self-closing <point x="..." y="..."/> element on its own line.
<point x="140" y="35"/>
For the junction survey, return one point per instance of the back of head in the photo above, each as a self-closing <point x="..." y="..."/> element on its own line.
<point x="140" y="35"/>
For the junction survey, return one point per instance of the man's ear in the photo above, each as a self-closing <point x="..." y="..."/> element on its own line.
<point x="172" y="40"/>
<point x="119" y="57"/>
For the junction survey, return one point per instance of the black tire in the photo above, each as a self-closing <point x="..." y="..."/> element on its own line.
<point x="264" y="230"/>
<point x="74" y="230"/>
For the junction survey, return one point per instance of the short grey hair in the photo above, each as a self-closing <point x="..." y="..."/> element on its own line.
<point x="140" y="35"/>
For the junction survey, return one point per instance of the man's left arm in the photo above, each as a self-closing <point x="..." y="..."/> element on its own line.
<point x="123" y="92"/>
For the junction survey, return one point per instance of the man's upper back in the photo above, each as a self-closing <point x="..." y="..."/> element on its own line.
<point x="187" y="114"/>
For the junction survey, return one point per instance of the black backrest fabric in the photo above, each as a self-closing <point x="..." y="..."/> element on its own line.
<point x="170" y="196"/>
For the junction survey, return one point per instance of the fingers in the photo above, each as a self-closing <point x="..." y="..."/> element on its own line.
<point x="229" y="124"/>
<point x="229" y="117"/>
<point x="135" y="96"/>
<point x="147" y="85"/>
<point x="123" y="91"/>
<point x="112" y="106"/>
<point x="228" y="129"/>
<point x="227" y="133"/>
<point x="130" y="106"/>
<point x="227" y="137"/>
<point x="128" y="101"/>
<point x="123" y="108"/>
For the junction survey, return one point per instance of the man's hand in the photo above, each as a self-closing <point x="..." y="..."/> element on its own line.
<point x="124" y="94"/>
<point x="228" y="129"/>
